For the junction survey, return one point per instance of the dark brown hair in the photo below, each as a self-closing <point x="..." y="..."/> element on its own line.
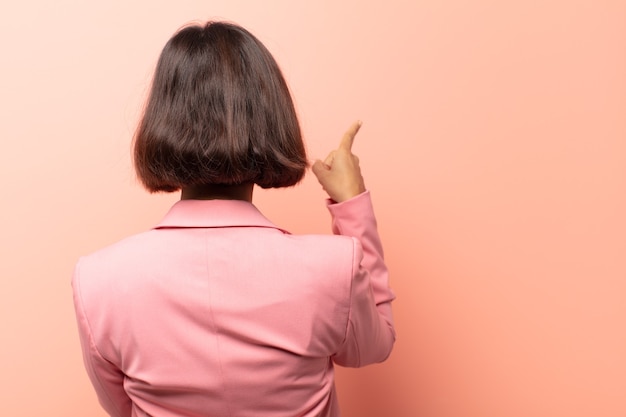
<point x="219" y="112"/>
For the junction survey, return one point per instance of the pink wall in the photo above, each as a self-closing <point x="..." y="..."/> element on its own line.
<point x="494" y="144"/>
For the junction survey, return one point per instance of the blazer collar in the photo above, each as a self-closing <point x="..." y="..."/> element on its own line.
<point x="215" y="213"/>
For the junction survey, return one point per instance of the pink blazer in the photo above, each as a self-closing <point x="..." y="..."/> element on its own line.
<point x="218" y="312"/>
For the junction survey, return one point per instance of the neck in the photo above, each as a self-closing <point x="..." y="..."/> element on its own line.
<point x="218" y="192"/>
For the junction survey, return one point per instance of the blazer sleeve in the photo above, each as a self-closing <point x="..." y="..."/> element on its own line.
<point x="370" y="332"/>
<point x="107" y="379"/>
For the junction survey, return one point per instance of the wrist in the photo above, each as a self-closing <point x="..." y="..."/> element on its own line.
<point x="332" y="201"/>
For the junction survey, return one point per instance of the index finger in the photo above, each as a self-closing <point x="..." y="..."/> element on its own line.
<point x="348" y="137"/>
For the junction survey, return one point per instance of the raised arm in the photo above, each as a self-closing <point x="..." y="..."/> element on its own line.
<point x="370" y="334"/>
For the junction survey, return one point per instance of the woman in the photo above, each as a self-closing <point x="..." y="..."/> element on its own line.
<point x="217" y="311"/>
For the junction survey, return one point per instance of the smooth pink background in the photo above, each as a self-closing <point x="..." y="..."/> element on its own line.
<point x="494" y="145"/>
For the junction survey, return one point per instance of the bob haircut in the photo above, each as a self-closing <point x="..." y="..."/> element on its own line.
<point x="219" y="113"/>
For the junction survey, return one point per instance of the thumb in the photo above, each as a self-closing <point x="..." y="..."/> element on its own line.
<point x="320" y="169"/>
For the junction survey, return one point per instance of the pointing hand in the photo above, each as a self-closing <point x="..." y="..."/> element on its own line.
<point x="340" y="174"/>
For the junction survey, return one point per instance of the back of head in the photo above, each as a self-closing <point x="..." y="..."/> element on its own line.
<point x="219" y="112"/>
